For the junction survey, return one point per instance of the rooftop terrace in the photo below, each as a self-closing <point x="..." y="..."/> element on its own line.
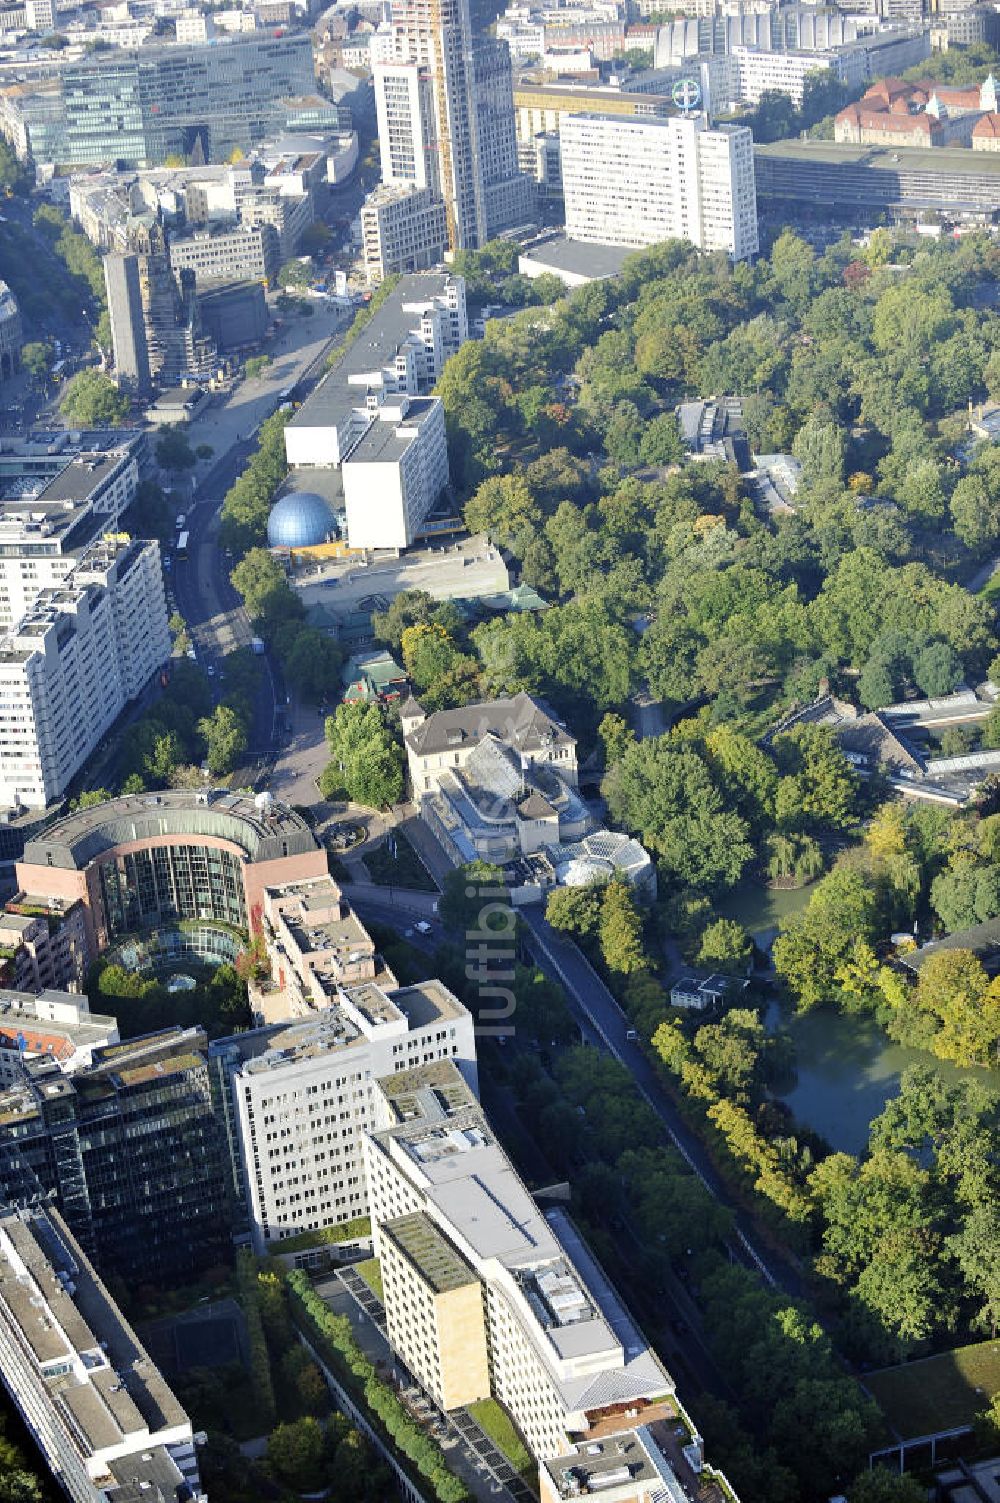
<point x="424" y="1246"/>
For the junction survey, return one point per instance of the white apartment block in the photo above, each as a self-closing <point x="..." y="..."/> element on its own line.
<point x="103" y="1416"/>
<point x="637" y="182"/>
<point x="370" y="417"/>
<point x="404" y="109"/>
<point x="402" y="351"/>
<point x="57" y="498"/>
<point x="756" y="71"/>
<point x="395" y="473"/>
<point x="84" y="650"/>
<point x="53" y="1025"/>
<point x="303" y="1095"/>
<point x="403" y="229"/>
<point x="548" y="1334"/>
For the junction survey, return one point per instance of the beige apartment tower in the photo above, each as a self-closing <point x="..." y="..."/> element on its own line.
<point x="434" y="1311"/>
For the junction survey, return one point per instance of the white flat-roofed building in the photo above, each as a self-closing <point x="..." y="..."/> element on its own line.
<point x="395" y="473"/>
<point x="303" y="1095"/>
<point x="101" y="1413"/>
<point x="562" y="1348"/>
<point x="637" y="182"/>
<point x="58" y="493"/>
<point x="83" y="651"/>
<point x="403" y="229"/>
<point x="371" y="415"/>
<point x="56" y="1025"/>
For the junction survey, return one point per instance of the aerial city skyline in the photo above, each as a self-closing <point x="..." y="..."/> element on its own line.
<point x="499" y="751"/>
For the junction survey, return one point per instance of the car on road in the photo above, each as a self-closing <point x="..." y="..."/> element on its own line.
<point x="423" y="927"/>
<point x="210" y="670"/>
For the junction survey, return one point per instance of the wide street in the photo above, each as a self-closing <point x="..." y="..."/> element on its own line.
<point x="210" y="606"/>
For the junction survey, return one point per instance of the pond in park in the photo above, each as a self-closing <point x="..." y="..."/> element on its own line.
<point x="847" y="1068"/>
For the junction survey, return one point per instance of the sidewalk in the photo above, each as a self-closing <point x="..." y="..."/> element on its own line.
<point x="463" y="1456"/>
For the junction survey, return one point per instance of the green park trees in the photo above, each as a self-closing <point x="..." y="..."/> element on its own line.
<point x="665" y="793"/>
<point x="607" y="914"/>
<point x="174" y="451"/>
<point x="247" y="503"/>
<point x="93" y="401"/>
<point x="36" y="358"/>
<point x="261" y="582"/>
<point x="366" y="759"/>
<point x="225" y="739"/>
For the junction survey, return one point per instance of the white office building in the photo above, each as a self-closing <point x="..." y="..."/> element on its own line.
<point x="53" y="1025"/>
<point x="639" y="181"/>
<point x="403" y="229"/>
<point x="540" y="1329"/>
<point x="395" y="473"/>
<point x="303" y="1096"/>
<point x="58" y="493"/>
<point x="83" y="651"/>
<point x="371" y="418"/>
<point x="105" y="1420"/>
<point x="404" y="109"/>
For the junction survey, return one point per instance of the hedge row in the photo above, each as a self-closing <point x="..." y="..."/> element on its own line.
<point x="358" y="1376"/>
<point x="260" y="1362"/>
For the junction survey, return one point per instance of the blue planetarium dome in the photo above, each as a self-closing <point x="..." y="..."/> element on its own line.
<point x="300" y="520"/>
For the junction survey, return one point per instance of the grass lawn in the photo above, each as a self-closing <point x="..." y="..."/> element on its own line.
<point x="938" y="1393"/>
<point x="500" y="1429"/>
<point x="405" y="869"/>
<point x="991" y="589"/>
<point x="326" y="1236"/>
<point x="372" y="1275"/>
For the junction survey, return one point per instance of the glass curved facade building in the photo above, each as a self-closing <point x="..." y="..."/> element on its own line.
<point x="147" y="888"/>
<point x="151" y="861"/>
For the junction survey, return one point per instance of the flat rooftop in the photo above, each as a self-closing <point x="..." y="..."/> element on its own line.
<point x="426" y="1001"/>
<point x="383" y="443"/>
<point x="24" y="1021"/>
<point x="276" y="1048"/>
<point x="342" y="388"/>
<point x="425" y="1246"/>
<point x="579" y="257"/>
<point x="426" y="1093"/>
<point x="530" y="93"/>
<point x="899" y="159"/>
<point x="262" y="833"/>
<point x="603" y="1467"/>
<point x="577" y="1316"/>
<point x="110" y="1389"/>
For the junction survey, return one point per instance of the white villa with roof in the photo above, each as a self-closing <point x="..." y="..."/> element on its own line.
<point x="497" y="782"/>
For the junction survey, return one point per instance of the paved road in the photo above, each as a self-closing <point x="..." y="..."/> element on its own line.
<point x="205" y="596"/>
<point x="562" y="958"/>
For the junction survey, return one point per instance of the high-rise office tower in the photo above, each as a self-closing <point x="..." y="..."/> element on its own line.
<point x="446" y="119"/>
<point x="131" y="1151"/>
<point x="632" y="181"/>
<point x="507" y="193"/>
<point x="438" y="34"/>
<point x="128" y="329"/>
